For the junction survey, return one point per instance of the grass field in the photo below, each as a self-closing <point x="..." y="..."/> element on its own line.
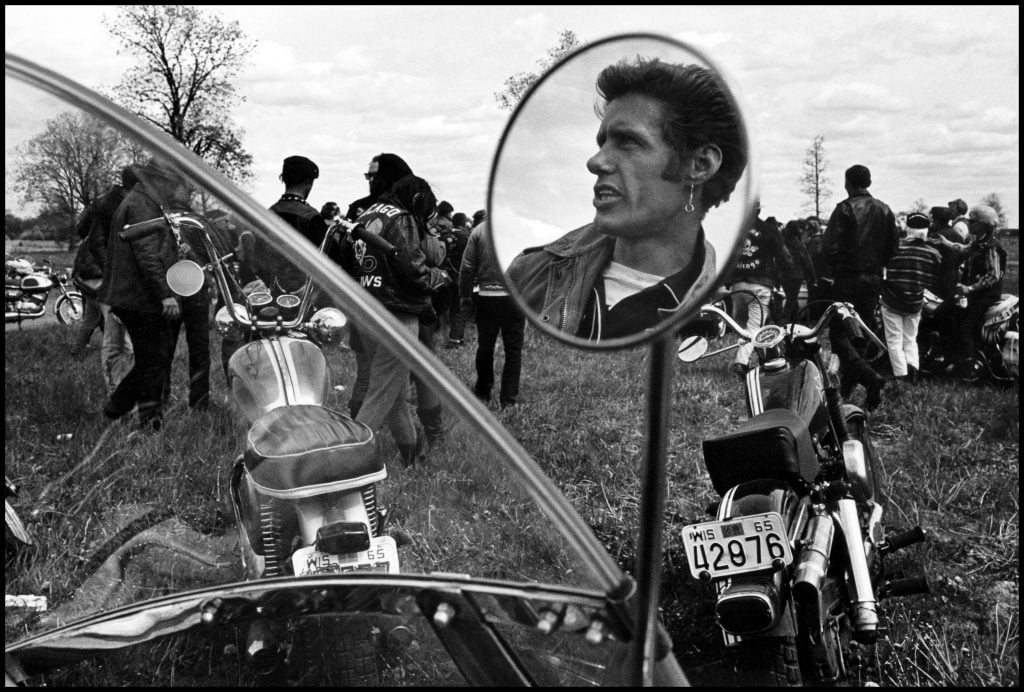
<point x="950" y="458"/>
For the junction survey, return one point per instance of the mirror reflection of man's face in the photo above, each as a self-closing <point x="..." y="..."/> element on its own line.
<point x="632" y="197"/>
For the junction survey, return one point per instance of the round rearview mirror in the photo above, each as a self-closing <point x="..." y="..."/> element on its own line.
<point x="185" y="278"/>
<point x="621" y="190"/>
<point x="691" y="348"/>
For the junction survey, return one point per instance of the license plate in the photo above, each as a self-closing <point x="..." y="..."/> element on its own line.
<point x="381" y="557"/>
<point x="736" y="546"/>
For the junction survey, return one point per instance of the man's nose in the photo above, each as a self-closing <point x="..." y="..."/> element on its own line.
<point x="600" y="162"/>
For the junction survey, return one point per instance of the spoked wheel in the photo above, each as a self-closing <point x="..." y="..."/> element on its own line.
<point x="69" y="308"/>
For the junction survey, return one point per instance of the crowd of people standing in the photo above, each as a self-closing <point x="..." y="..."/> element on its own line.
<point x="418" y="274"/>
<point x="882" y="264"/>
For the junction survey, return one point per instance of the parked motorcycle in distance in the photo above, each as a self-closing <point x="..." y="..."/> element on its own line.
<point x="797" y="549"/>
<point x="27" y="288"/>
<point x="304" y="492"/>
<point x="998" y="356"/>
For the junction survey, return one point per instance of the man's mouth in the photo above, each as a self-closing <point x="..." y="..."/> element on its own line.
<point x="605" y="195"/>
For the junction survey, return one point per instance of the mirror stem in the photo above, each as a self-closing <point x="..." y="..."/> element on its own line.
<point x="652" y="509"/>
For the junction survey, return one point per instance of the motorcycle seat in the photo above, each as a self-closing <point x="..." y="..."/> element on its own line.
<point x="775" y="444"/>
<point x="307" y="450"/>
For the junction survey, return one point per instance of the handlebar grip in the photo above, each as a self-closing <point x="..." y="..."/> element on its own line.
<point x="359" y="232"/>
<point x="142" y="229"/>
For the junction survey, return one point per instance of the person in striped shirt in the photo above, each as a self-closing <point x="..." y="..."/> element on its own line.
<point x="912" y="269"/>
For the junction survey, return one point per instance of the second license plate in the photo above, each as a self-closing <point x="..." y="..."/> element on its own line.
<point x="382" y="556"/>
<point x="736" y="546"/>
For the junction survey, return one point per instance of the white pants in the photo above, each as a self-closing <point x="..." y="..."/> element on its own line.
<point x="750" y="310"/>
<point x="901" y="340"/>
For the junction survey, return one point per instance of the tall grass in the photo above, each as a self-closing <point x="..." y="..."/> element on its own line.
<point x="950" y="462"/>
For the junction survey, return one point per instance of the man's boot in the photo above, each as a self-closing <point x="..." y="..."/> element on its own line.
<point x="412" y="454"/>
<point x="433" y="424"/>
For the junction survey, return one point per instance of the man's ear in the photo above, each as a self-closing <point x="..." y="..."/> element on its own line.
<point x="703" y="163"/>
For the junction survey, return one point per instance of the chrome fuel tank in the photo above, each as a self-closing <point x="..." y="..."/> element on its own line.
<point x="277" y="371"/>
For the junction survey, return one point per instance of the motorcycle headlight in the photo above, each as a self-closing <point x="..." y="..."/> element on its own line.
<point x="327" y="325"/>
<point x="227" y="326"/>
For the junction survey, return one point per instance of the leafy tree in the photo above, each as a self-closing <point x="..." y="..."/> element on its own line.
<point x="814" y="183"/>
<point x="517" y="85"/>
<point x="70" y="163"/>
<point x="182" y="84"/>
<point x="993" y="200"/>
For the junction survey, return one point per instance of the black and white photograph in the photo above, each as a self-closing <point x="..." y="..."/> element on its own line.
<point x="512" y="345"/>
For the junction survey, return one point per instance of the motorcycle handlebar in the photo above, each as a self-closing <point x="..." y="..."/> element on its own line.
<point x="135" y="231"/>
<point x="359" y="232"/>
<point x="845" y="310"/>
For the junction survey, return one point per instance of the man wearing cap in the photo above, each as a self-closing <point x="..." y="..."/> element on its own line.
<point x="911" y="270"/>
<point x="960" y="226"/>
<point x="860" y="239"/>
<point x="297" y="174"/>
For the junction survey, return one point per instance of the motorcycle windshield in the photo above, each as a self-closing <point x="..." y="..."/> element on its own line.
<point x="147" y="528"/>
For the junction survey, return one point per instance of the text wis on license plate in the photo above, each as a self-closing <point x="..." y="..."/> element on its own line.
<point x="736" y="546"/>
<point x="382" y="557"/>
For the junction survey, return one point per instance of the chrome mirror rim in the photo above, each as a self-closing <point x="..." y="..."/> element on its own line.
<point x="745" y="191"/>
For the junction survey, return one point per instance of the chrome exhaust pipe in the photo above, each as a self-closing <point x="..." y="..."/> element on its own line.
<point x="865" y="612"/>
<point x="812" y="565"/>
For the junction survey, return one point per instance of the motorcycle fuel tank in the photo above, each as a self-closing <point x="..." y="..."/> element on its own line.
<point x="277" y="371"/>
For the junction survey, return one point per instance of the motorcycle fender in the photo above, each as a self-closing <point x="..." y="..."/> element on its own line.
<point x="756" y="497"/>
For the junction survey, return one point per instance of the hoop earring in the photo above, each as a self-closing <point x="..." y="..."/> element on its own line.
<point x="689" y="205"/>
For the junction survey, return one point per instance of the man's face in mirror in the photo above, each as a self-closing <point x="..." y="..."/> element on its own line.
<point x="639" y="190"/>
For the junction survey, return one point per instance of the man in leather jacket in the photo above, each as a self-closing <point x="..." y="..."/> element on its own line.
<point x="135" y="287"/>
<point x="387" y="258"/>
<point x="661" y="164"/>
<point x="860" y="239"/>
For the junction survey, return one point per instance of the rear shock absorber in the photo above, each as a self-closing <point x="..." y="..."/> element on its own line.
<point x="369" y="493"/>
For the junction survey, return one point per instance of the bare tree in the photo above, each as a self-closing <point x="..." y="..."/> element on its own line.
<point x="182" y="83"/>
<point x="518" y="84"/>
<point x="69" y="164"/>
<point x="814" y="183"/>
<point x="919" y="207"/>
<point x="993" y="200"/>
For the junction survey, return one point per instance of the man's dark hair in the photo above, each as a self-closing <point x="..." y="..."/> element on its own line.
<point x="698" y="110"/>
<point x="941" y="216"/>
<point x="413" y="194"/>
<point x="459" y="220"/>
<point x="128" y="177"/>
<point x="390" y="169"/>
<point x="958" y="207"/>
<point x="445" y="208"/>
<point x="858" y="176"/>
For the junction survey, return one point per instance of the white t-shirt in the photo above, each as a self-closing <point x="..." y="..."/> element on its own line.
<point x="621" y="282"/>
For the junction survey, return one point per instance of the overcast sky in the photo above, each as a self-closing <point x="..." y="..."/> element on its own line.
<point x="927" y="98"/>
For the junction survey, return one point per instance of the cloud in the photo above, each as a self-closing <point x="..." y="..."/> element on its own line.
<point x="860" y="97"/>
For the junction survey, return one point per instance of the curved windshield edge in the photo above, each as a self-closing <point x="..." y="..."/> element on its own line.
<point x="382" y="327"/>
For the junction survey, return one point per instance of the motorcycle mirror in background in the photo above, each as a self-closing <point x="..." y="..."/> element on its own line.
<point x="691" y="348"/>
<point x="611" y="226"/>
<point x="185" y="278"/>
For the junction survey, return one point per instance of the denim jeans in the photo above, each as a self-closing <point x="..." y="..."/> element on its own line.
<point x="116" y="354"/>
<point x="901" y="340"/>
<point x="92" y="319"/>
<point x="143" y="386"/>
<point x="498" y="315"/>
<point x="387" y="388"/>
<point x="195" y="317"/>
<point x="750" y="309"/>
